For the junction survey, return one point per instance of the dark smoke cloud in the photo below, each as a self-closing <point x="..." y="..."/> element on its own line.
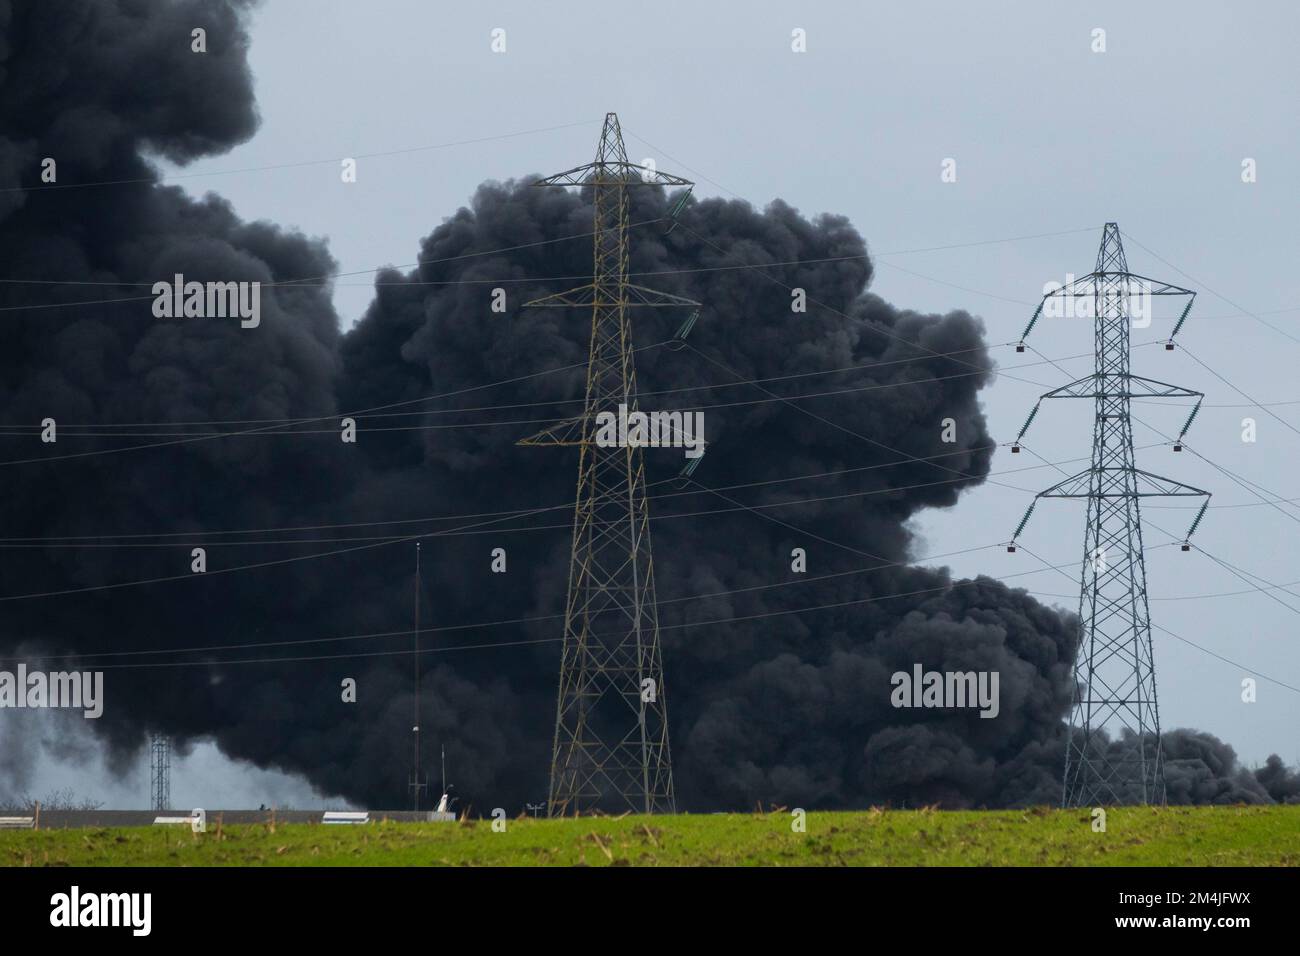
<point x="1281" y="782"/>
<point x="774" y="706"/>
<point x="1200" y="768"/>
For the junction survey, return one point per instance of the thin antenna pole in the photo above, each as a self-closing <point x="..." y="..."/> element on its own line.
<point x="415" y="772"/>
<point x="444" y="768"/>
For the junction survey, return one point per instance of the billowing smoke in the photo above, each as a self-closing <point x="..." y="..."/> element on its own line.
<point x="768" y="700"/>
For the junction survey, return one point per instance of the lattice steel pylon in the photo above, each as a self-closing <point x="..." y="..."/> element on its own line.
<point x="160" y="770"/>
<point x="610" y="749"/>
<point x="1113" y="753"/>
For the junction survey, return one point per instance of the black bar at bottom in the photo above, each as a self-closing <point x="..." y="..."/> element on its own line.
<point x="331" y="905"/>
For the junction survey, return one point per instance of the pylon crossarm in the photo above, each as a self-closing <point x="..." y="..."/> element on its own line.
<point x="1131" y="386"/>
<point x="1085" y="387"/>
<point x="646" y="175"/>
<point x="1139" y="387"/>
<point x="582" y="295"/>
<point x="1158" y="286"/>
<point x="641" y="296"/>
<point x="1078" y="286"/>
<point x="1087" y="285"/>
<point x="634" y="295"/>
<point x="1076" y="486"/>
<point x="1162" y="487"/>
<point x="576" y="176"/>
<point x="1144" y="485"/>
<point x="613" y="172"/>
<point x="566" y="433"/>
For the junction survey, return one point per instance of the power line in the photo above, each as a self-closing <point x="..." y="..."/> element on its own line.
<point x="953" y="285"/>
<point x="158" y="180"/>
<point x="408" y="282"/>
<point x="458" y="532"/>
<point x="946" y="586"/>
<point x="1241" y="574"/>
<point x="229" y="570"/>
<point x="709" y="623"/>
<point x="1047" y="566"/>
<point x="1225" y="404"/>
<point x="318" y="418"/>
<point x="1248" y="398"/>
<point x="541" y="404"/>
<point x="906" y="458"/>
<point x="186" y="438"/>
<point x="196" y="537"/>
<point x="1233" y="476"/>
<point x="476" y="625"/>
<point x="773" y="279"/>
<point x="1127" y="348"/>
<point x="1217" y="295"/>
<point x="69" y="431"/>
<point x="483" y="624"/>
<point x="299" y="283"/>
<point x="958" y="245"/>
<point x="1200" y="596"/>
<point x="1242" y="482"/>
<point x="1177" y="637"/>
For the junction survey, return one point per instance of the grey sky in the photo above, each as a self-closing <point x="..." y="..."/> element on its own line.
<point x="1047" y="135"/>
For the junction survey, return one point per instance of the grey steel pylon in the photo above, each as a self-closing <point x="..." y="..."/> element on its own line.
<point x="610" y="750"/>
<point x="1113" y="753"/>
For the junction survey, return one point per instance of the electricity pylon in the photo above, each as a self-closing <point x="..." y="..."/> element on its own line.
<point x="610" y="749"/>
<point x="1113" y="751"/>
<point x="160" y="770"/>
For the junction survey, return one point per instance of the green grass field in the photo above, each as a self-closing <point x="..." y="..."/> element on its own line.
<point x="1176" y="836"/>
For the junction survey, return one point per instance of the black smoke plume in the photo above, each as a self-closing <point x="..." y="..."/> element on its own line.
<point x="768" y="700"/>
